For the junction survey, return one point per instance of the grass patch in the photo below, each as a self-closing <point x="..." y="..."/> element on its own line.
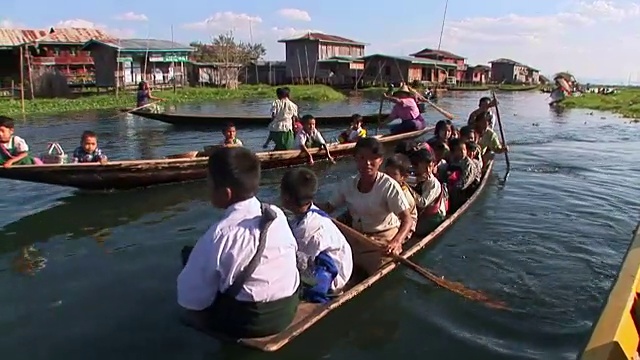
<point x="626" y="102"/>
<point x="186" y="95"/>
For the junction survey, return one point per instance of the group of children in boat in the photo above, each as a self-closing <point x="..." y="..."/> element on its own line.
<point x="246" y="275"/>
<point x="15" y="151"/>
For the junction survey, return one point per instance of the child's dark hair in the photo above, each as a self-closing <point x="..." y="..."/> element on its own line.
<point x="300" y="185"/>
<point x="305" y="119"/>
<point x="484" y="99"/>
<point x="7" y="122"/>
<point x="228" y="126"/>
<point x="440" y="148"/>
<point x="281" y="93"/>
<point x="141" y="85"/>
<point x="370" y="143"/>
<point x="483" y="116"/>
<point x="471" y="146"/>
<point x="88" y="134"/>
<point x="356" y="118"/>
<point x="456" y="143"/>
<point x="466" y="131"/>
<point x="422" y="156"/>
<point x="236" y="168"/>
<point x="400" y="162"/>
<point x="440" y="125"/>
<point x="405" y="147"/>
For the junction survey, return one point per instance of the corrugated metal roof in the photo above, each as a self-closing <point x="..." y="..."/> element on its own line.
<point x="15" y="37"/>
<point x="313" y="36"/>
<point x="414" y="60"/>
<point x="145" y="44"/>
<point x="441" y="53"/>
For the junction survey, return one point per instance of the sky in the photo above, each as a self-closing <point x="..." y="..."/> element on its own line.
<point x="596" y="40"/>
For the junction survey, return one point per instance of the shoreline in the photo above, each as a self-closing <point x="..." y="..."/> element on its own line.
<point x="188" y="95"/>
<point x="626" y="103"/>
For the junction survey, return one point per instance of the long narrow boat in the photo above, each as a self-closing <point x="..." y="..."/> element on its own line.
<point x="195" y="120"/>
<point x="616" y="334"/>
<point x="308" y="313"/>
<point x="129" y="174"/>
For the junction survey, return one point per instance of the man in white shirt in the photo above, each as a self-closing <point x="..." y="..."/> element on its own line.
<point x="240" y="279"/>
<point x="324" y="254"/>
<point x="283" y="115"/>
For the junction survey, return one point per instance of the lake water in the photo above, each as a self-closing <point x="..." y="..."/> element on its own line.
<point x="92" y="275"/>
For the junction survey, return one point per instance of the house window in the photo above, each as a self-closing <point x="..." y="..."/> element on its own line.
<point x="56" y="51"/>
<point x="73" y="52"/>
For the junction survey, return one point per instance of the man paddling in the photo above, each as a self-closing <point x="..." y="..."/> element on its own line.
<point x="241" y="278"/>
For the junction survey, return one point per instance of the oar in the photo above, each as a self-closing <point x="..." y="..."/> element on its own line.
<point x="380" y="113"/>
<point x="442" y="111"/>
<point x="455" y="287"/>
<point x="143" y="106"/>
<point x="504" y="143"/>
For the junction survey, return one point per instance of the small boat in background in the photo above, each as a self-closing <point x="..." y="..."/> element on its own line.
<point x="616" y="334"/>
<point x="129" y="174"/>
<point x="198" y="120"/>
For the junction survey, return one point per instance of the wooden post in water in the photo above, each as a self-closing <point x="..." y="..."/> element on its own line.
<point x="173" y="63"/>
<point x="26" y="51"/>
<point x="22" y="77"/>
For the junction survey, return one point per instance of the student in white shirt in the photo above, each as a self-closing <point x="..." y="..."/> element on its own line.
<point x="310" y="137"/>
<point x="240" y="279"/>
<point x="324" y="255"/>
<point x="283" y="115"/>
<point x="376" y="204"/>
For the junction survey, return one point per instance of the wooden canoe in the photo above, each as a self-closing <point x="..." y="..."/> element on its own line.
<point x="129" y="174"/>
<point x="195" y="120"/>
<point x="308" y="314"/>
<point x="616" y="334"/>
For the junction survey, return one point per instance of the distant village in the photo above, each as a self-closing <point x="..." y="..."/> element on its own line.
<point x="92" y="58"/>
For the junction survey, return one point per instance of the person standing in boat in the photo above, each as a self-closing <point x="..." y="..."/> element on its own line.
<point x="406" y="109"/>
<point x="324" y="255"/>
<point x="143" y="96"/>
<point x="284" y="114"/>
<point x="240" y="279"/>
<point x="484" y="109"/>
<point x="488" y="139"/>
<point x="376" y="206"/>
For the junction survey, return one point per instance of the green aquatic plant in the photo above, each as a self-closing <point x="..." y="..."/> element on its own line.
<point x="625" y="102"/>
<point x="12" y="107"/>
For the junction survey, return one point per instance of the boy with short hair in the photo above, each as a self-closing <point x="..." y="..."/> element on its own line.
<point x="88" y="151"/>
<point x="240" y="279"/>
<point x="283" y="115"/>
<point x="310" y="137"/>
<point x="230" y="138"/>
<point x="398" y="167"/>
<point x="324" y="255"/>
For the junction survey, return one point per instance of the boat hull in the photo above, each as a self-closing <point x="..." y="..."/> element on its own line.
<point x="616" y="334"/>
<point x="308" y="314"/>
<point x="123" y="175"/>
<point x="189" y="120"/>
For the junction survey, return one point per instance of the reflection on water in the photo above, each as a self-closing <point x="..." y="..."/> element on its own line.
<point x="548" y="243"/>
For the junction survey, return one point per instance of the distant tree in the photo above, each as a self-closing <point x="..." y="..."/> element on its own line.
<point x="230" y="55"/>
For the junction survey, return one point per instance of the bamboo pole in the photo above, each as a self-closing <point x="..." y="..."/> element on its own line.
<point x="29" y="67"/>
<point x="306" y="56"/>
<point x="173" y="63"/>
<point x="299" y="64"/>
<point x="22" y="78"/>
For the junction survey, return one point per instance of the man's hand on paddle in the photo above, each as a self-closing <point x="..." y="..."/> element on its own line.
<point x="394" y="247"/>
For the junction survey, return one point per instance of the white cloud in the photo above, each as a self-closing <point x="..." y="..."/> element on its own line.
<point x="578" y="39"/>
<point x="289" y="32"/>
<point x="81" y="23"/>
<point x="226" y="21"/>
<point x="8" y="24"/>
<point x="294" y="14"/>
<point x="131" y="16"/>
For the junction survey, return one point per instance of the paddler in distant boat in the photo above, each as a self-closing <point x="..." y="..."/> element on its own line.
<point x="143" y="96"/>
<point x="484" y="107"/>
<point x="377" y="206"/>
<point x="284" y="113"/>
<point x="240" y="280"/>
<point x="405" y="108"/>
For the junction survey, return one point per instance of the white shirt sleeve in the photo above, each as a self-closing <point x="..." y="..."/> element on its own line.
<point x="301" y="139"/>
<point x="319" y="139"/>
<point x="199" y="281"/>
<point x="20" y="145"/>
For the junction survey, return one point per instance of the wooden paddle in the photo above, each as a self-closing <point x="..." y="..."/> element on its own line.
<point x="504" y="143"/>
<point x="442" y="111"/>
<point x="380" y="113"/>
<point x="455" y="287"/>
